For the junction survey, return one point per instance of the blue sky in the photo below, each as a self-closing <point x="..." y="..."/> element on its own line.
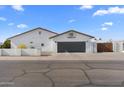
<point x="106" y="22"/>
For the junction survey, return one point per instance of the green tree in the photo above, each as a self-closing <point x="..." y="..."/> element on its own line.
<point x="0" y="46"/>
<point x="6" y="44"/>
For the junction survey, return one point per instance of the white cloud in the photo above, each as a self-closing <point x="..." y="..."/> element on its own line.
<point x="11" y="24"/>
<point x="18" y="7"/>
<point x="110" y="10"/>
<point x="72" y="20"/>
<point x="86" y="7"/>
<point x="22" y="26"/>
<point x="104" y="28"/>
<point x="107" y="24"/>
<point x="3" y="19"/>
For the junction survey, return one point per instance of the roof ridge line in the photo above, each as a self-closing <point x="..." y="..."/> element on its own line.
<point x="73" y="31"/>
<point x="31" y="31"/>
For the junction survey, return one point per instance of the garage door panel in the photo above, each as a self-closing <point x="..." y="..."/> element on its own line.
<point x="71" y="47"/>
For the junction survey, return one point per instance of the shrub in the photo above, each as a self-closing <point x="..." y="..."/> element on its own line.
<point x="22" y="46"/>
<point x="6" y="44"/>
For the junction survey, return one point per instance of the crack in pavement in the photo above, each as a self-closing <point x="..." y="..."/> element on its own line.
<point x="90" y="82"/>
<point x="97" y="85"/>
<point x="45" y="74"/>
<point x="91" y="67"/>
<point x="15" y="77"/>
<point x="107" y="69"/>
<point x="88" y="66"/>
<point x="110" y="69"/>
<point x="66" y="69"/>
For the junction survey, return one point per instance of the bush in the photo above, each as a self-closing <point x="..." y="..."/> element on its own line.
<point x="6" y="44"/>
<point x="22" y="46"/>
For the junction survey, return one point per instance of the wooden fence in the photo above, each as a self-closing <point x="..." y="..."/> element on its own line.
<point x="104" y="47"/>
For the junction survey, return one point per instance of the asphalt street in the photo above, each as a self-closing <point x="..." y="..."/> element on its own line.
<point x="64" y="73"/>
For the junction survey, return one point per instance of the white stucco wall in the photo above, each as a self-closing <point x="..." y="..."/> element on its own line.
<point x="30" y="52"/>
<point x="11" y="52"/>
<point x="91" y="47"/>
<point x="78" y="37"/>
<point x="50" y="45"/>
<point x="36" y="38"/>
<point x="118" y="46"/>
<point x="0" y="52"/>
<point x="90" y="44"/>
<point x="20" y="52"/>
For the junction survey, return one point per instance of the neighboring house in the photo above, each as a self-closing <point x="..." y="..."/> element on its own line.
<point x="48" y="41"/>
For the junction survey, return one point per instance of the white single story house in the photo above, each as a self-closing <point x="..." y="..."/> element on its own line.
<point x="49" y="41"/>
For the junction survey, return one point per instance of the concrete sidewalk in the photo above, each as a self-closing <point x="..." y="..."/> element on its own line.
<point x="70" y="56"/>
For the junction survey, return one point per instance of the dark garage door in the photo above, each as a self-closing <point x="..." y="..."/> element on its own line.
<point x="71" y="47"/>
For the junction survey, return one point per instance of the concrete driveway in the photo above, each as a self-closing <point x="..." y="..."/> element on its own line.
<point x="62" y="73"/>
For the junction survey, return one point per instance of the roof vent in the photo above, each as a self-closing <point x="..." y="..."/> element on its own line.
<point x="71" y="35"/>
